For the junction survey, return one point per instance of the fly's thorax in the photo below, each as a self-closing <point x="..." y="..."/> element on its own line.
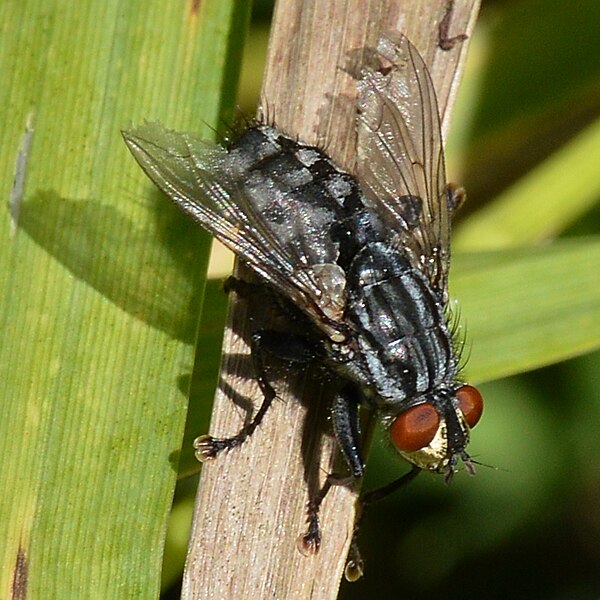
<point x="401" y="326"/>
<point x="433" y="433"/>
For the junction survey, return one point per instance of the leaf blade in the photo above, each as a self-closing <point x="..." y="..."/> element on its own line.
<point x="526" y="308"/>
<point x="97" y="283"/>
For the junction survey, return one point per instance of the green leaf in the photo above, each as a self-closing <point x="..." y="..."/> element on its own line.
<point x="526" y="308"/>
<point x="100" y="282"/>
<point x="543" y="202"/>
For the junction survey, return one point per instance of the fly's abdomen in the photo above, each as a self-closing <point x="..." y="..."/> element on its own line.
<point x="295" y="189"/>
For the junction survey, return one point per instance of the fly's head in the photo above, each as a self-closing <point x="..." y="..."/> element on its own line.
<point x="434" y="433"/>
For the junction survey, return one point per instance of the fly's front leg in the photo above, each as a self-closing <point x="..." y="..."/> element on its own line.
<point x="354" y="565"/>
<point x="346" y="427"/>
<point x="286" y="347"/>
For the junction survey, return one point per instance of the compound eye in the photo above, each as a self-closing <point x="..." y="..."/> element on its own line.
<point x="415" y="428"/>
<point x="471" y="404"/>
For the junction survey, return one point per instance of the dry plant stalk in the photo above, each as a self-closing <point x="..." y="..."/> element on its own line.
<point x="251" y="504"/>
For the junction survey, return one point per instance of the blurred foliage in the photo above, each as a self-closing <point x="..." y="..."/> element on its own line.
<point x="527" y="525"/>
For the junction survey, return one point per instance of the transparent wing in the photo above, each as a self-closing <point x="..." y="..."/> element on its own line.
<point x="400" y="158"/>
<point x="215" y="188"/>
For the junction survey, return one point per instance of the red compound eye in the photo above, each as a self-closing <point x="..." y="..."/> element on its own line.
<point x="471" y="404"/>
<point x="415" y="427"/>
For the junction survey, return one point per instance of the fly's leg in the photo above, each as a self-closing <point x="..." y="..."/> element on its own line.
<point x="455" y="196"/>
<point x="288" y="348"/>
<point x="346" y="427"/>
<point x="244" y="289"/>
<point x="354" y="565"/>
<point x="445" y="42"/>
<point x="345" y="418"/>
<point x="310" y="541"/>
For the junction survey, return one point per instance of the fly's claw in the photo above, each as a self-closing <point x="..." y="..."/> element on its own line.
<point x="309" y="543"/>
<point x="354" y="570"/>
<point x="206" y="448"/>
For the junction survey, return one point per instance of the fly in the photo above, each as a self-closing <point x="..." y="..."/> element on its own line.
<point x="364" y="261"/>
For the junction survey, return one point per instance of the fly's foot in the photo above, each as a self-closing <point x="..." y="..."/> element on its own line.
<point x="206" y="447"/>
<point x="309" y="543"/>
<point x="354" y="569"/>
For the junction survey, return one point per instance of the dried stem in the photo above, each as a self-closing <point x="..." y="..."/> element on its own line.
<point x="251" y="505"/>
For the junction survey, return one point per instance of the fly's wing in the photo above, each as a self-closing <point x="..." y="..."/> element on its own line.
<point x="400" y="159"/>
<point x="211" y="185"/>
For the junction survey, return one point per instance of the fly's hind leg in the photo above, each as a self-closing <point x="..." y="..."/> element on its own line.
<point x="244" y="289"/>
<point x="285" y="346"/>
<point x="455" y="196"/>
